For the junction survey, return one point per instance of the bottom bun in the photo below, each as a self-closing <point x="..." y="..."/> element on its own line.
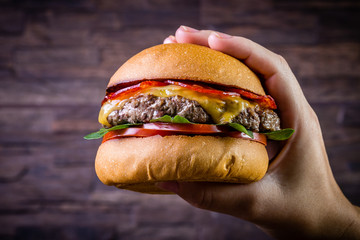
<point x="138" y="163"/>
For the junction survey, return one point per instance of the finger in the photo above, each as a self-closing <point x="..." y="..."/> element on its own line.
<point x="273" y="148"/>
<point x="219" y="197"/>
<point x="170" y="39"/>
<point x="254" y="55"/>
<point x="186" y="34"/>
<point x="277" y="76"/>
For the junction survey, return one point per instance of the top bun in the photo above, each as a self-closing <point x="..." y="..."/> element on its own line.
<point x="184" y="61"/>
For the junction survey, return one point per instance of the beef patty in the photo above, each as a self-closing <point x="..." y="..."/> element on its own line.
<point x="144" y="108"/>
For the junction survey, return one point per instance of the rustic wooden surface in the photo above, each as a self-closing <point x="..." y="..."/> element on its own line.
<point x="55" y="60"/>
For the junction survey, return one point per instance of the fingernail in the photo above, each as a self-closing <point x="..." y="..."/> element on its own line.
<point x="170" y="39"/>
<point x="222" y="35"/>
<point x="188" y="29"/>
<point x="168" y="186"/>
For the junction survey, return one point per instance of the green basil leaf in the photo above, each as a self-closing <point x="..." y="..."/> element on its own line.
<point x="280" y="135"/>
<point x="179" y="119"/>
<point x="169" y="119"/>
<point x="241" y="128"/>
<point x="103" y="131"/>
<point x="94" y="135"/>
<point x="165" y="118"/>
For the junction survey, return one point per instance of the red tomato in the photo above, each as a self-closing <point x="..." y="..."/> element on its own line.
<point x="264" y="101"/>
<point x="184" y="128"/>
<point x="200" y="88"/>
<point x="166" y="129"/>
<point x="131" y="90"/>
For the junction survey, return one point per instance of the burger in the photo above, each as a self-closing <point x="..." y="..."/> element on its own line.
<point x="184" y="112"/>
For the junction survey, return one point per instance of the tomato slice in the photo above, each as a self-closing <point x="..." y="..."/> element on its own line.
<point x="131" y="90"/>
<point x="133" y="132"/>
<point x="167" y="129"/>
<point x="200" y="88"/>
<point x="185" y="128"/>
<point x="265" y="101"/>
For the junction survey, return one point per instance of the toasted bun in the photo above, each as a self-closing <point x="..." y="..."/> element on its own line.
<point x="138" y="163"/>
<point x="187" y="62"/>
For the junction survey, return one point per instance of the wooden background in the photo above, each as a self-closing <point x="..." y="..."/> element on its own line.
<point x="55" y="60"/>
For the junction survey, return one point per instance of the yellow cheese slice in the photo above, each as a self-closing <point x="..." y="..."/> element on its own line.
<point x="222" y="110"/>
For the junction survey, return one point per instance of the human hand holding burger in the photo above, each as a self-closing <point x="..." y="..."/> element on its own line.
<point x="190" y="120"/>
<point x="298" y="198"/>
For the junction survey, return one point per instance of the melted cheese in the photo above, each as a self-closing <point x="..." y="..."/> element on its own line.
<point x="222" y="110"/>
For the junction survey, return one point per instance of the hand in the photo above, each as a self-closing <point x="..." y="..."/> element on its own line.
<point x="298" y="197"/>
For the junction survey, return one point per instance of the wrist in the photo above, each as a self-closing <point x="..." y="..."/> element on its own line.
<point x="341" y="223"/>
<point x="340" y="220"/>
<point x="353" y="229"/>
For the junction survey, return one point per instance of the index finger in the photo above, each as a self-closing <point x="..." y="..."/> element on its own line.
<point x="250" y="52"/>
<point x="277" y="77"/>
<point x="186" y="34"/>
<point x="255" y="56"/>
